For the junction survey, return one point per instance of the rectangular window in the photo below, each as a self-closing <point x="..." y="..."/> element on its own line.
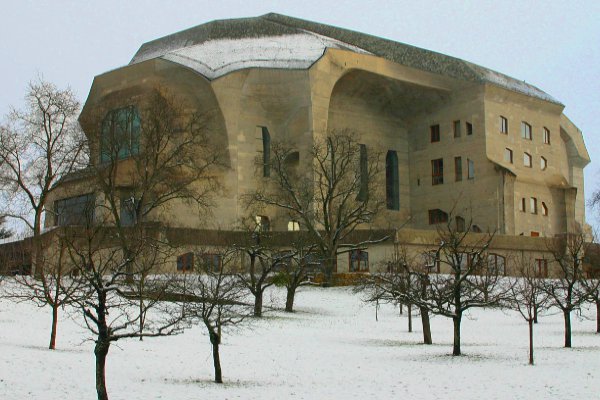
<point x="458" y="169"/>
<point x="437" y="171"/>
<point x="544" y="209"/>
<point x="533" y="205"/>
<point x="434" y="131"/>
<point x="78" y="210"/>
<point x="266" y="142"/>
<point x="525" y="130"/>
<point x="262" y="223"/>
<point x="359" y="260"/>
<point x="546" y="135"/>
<point x="437" y="216"/>
<point x="432" y="261"/>
<point x="210" y="262"/>
<point x="469" y="129"/>
<point x="293" y="226"/>
<point x="503" y="125"/>
<point x="543" y="163"/>
<point x="185" y="262"/>
<point x="456" y="128"/>
<point x="527" y="160"/>
<point x="471" y="169"/>
<point x="363" y="172"/>
<point x="522" y="205"/>
<point x="496" y="264"/>
<point x="508" y="155"/>
<point x="120" y="134"/>
<point x="541" y="268"/>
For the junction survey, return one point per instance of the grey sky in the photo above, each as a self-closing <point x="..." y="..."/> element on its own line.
<point x="554" y="45"/>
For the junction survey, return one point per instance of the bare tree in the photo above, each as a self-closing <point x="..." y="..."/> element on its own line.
<point x="39" y="145"/>
<point x="527" y="295"/>
<point x="107" y="304"/>
<point x="405" y="279"/>
<point x="571" y="288"/>
<point x="330" y="198"/>
<point x="466" y="280"/>
<point x="217" y="300"/>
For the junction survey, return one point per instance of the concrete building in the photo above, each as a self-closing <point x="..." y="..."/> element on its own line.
<point x="466" y="140"/>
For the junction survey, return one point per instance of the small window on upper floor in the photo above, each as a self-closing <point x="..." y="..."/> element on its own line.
<point x="544" y="209"/>
<point x="262" y="223"/>
<point x="527" y="160"/>
<point x="546" y="135"/>
<point x="525" y="130"/>
<point x="522" y="205"/>
<point x="456" y="128"/>
<point x="293" y="226"/>
<point x="469" y="129"/>
<point x="503" y="125"/>
<point x="533" y="205"/>
<point x="437" y="171"/>
<point x="437" y="216"/>
<point x="508" y="155"/>
<point x="434" y="131"/>
<point x="543" y="163"/>
<point x="470" y="169"/>
<point x="120" y="134"/>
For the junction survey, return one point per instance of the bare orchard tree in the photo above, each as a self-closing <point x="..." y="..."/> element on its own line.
<point x="217" y="300"/>
<point x="527" y="295"/>
<point x="55" y="288"/>
<point x="39" y="145"/>
<point x="466" y="280"/>
<point x="570" y="288"/>
<point x="405" y="279"/>
<point x="108" y="307"/>
<point x="332" y="197"/>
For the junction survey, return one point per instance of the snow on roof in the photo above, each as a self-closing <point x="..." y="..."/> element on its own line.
<point x="278" y="41"/>
<point x="216" y="58"/>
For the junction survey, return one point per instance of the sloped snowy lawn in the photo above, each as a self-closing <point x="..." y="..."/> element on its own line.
<point x="332" y="348"/>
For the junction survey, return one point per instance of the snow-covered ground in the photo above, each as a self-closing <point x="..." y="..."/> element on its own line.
<point x="332" y="348"/>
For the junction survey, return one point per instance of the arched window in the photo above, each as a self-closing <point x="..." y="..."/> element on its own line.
<point x="266" y="140"/>
<point x="120" y="136"/>
<point x="392" y="190"/>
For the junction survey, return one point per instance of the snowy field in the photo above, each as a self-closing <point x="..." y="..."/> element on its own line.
<point x="331" y="348"/>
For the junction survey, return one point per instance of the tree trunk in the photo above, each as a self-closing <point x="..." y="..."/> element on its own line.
<point x="289" y="301"/>
<point x="101" y="350"/>
<point x="456" y="346"/>
<point x="598" y="315"/>
<point x="426" y="325"/>
<point x="409" y="310"/>
<point x="535" y="315"/>
<point x="530" y="323"/>
<point x="54" y="326"/>
<point x="215" y="340"/>
<point x="400" y="308"/>
<point x="142" y="319"/>
<point x="258" y="303"/>
<point x="567" y="315"/>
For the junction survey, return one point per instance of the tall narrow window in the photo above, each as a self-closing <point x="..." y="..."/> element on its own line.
<point x="541" y="268"/>
<point x="543" y="163"/>
<point x="120" y="135"/>
<point x="363" y="174"/>
<point x="127" y="209"/>
<point x="458" y="169"/>
<point x="527" y="160"/>
<point x="392" y="190"/>
<point x="533" y="205"/>
<point x="266" y="142"/>
<point x="434" y="132"/>
<point x="437" y="171"/>
<point x="456" y="126"/>
<point x="525" y="130"/>
<point x="471" y="169"/>
<point x="522" y="205"/>
<point x="469" y="129"/>
<point x="508" y="155"/>
<point x="503" y="125"/>
<point x="544" y="209"/>
<point x="546" y="135"/>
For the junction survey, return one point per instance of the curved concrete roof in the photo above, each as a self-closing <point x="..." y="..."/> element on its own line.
<point x="278" y="41"/>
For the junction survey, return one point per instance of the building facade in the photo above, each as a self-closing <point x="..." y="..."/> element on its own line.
<point x="461" y="139"/>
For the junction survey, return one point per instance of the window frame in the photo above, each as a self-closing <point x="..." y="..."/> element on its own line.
<point x="456" y="128"/>
<point x="543" y="163"/>
<point x="131" y="132"/>
<point x="509" y="152"/>
<point x="546" y="135"/>
<point x="84" y="215"/>
<point x="526" y="131"/>
<point x="469" y="128"/>
<point x="437" y="216"/>
<point x="185" y="262"/>
<point x="360" y="258"/>
<point x="544" y="208"/>
<point x="527" y="160"/>
<point x="434" y="133"/>
<point x="392" y="181"/>
<point x="533" y="208"/>
<point x="437" y="171"/>
<point x="458" y="169"/>
<point x="495" y="258"/>
<point x="470" y="169"/>
<point x="503" y="125"/>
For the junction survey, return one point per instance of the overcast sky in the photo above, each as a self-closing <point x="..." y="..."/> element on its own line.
<point x="554" y="45"/>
